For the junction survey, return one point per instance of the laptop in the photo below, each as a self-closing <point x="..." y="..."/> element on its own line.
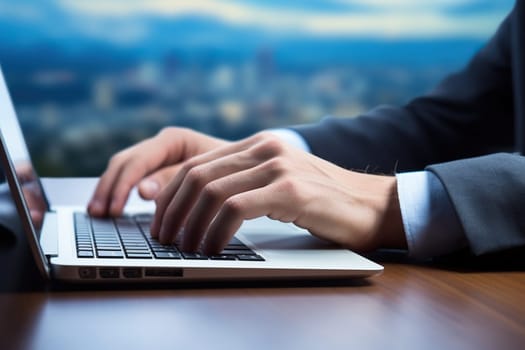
<point x="69" y="245"/>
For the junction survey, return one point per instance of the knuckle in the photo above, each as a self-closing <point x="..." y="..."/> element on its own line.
<point x="196" y="177"/>
<point x="233" y="206"/>
<point x="169" y="132"/>
<point x="188" y="165"/>
<point x="166" y="132"/>
<point x="276" y="166"/>
<point x="137" y="166"/>
<point x="268" y="145"/>
<point x="212" y="192"/>
<point x="117" y="159"/>
<point x="289" y="186"/>
<point x="260" y="136"/>
<point x="273" y="145"/>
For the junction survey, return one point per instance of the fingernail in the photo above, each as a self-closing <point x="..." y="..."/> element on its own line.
<point x="150" y="188"/>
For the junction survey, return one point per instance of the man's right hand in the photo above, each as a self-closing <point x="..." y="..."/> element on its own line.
<point x="150" y="165"/>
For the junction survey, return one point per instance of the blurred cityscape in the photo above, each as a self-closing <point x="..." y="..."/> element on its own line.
<point x="80" y="103"/>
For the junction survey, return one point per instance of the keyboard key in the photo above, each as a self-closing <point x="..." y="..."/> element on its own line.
<point x="85" y="253"/>
<point x="164" y="249"/>
<point x="237" y="247"/>
<point x="137" y="251"/>
<point x="250" y="257"/>
<point x="236" y="242"/>
<point x="84" y="247"/>
<point x="136" y="248"/>
<point x="167" y="255"/>
<point x="109" y="254"/>
<point x="143" y="218"/>
<point x="223" y="257"/>
<point x="138" y="255"/>
<point x="134" y="243"/>
<point x="108" y="247"/>
<point x="83" y="241"/>
<point x="117" y="243"/>
<point x="194" y="256"/>
<point x="133" y="239"/>
<point x="83" y="237"/>
<point x="237" y="252"/>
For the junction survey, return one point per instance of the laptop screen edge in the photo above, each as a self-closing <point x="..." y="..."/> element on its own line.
<point x="17" y="194"/>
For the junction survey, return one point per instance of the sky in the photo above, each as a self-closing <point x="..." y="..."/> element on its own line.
<point x="375" y="18"/>
<point x="130" y="20"/>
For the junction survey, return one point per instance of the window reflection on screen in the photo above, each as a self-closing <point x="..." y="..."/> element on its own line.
<point x="32" y="192"/>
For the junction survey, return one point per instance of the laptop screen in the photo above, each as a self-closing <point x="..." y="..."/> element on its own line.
<point x="16" y="153"/>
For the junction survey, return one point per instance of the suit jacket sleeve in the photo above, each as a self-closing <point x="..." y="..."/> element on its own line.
<point x="470" y="114"/>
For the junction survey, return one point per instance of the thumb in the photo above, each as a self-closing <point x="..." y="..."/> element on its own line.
<point x="152" y="185"/>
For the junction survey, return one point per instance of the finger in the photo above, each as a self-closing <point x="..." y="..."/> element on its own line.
<point x="126" y="168"/>
<point x="99" y="203"/>
<point x="135" y="170"/>
<point x="213" y="196"/>
<point x="152" y="185"/>
<point x="170" y="217"/>
<point x="167" y="196"/>
<point x="262" y="201"/>
<point x="113" y="188"/>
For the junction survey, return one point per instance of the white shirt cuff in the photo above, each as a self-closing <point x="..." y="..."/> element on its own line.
<point x="431" y="224"/>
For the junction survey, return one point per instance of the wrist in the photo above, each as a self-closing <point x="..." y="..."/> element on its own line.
<point x="391" y="229"/>
<point x="388" y="230"/>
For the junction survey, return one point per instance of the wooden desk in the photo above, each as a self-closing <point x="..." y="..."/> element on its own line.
<point x="408" y="307"/>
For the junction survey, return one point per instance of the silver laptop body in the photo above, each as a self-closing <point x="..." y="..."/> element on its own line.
<point x="287" y="252"/>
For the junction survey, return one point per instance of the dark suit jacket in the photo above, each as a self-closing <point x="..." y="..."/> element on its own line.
<point x="454" y="132"/>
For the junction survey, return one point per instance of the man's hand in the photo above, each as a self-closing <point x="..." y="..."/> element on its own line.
<point x="209" y="186"/>
<point x="213" y="192"/>
<point x="150" y="164"/>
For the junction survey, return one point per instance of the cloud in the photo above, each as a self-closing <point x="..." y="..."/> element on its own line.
<point x="384" y="18"/>
<point x="25" y="12"/>
<point x="409" y="5"/>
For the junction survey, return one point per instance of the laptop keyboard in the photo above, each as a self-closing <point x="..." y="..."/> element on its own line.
<point x="129" y="237"/>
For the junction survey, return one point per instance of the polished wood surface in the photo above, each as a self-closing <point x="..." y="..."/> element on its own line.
<point x="409" y="306"/>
